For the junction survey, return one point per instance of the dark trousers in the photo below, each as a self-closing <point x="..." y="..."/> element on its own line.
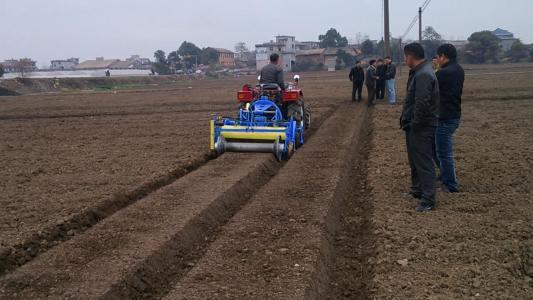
<point x="380" y="89"/>
<point x="371" y="94"/>
<point x="419" y="143"/>
<point x="357" y="90"/>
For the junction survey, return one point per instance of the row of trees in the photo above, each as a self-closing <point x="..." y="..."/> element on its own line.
<point x="189" y="56"/>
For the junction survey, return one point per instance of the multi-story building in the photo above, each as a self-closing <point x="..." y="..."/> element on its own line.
<point x="284" y="45"/>
<point x="64" y="64"/>
<point x="506" y="38"/>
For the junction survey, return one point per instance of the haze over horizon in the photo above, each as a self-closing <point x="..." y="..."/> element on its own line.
<point x="59" y="29"/>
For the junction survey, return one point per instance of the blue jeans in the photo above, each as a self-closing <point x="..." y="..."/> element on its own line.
<point x="391" y="90"/>
<point x="444" y="152"/>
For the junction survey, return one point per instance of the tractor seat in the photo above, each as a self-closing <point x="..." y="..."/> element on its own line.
<point x="270" y="86"/>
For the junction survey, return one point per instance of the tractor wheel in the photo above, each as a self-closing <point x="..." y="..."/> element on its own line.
<point x="307" y="118"/>
<point x="296" y="111"/>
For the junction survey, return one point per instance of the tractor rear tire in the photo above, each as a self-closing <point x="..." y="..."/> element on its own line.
<point x="296" y="111"/>
<point x="307" y="118"/>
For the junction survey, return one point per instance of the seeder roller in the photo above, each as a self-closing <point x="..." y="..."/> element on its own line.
<point x="269" y="121"/>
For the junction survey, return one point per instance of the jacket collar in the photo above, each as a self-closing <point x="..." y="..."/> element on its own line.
<point x="449" y="63"/>
<point x="420" y="66"/>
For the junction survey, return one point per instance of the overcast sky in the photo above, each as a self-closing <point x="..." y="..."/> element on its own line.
<point x="56" y="29"/>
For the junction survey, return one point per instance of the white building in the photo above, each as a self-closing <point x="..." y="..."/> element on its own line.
<point x="64" y="64"/>
<point x="284" y="45"/>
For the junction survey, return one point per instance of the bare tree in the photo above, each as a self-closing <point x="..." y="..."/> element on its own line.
<point x="23" y="66"/>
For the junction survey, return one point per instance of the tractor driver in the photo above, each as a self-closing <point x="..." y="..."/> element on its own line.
<point x="273" y="73"/>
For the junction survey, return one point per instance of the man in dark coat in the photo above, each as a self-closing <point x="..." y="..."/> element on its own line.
<point x="357" y="77"/>
<point x="371" y="78"/>
<point x="273" y="73"/>
<point x="381" y="72"/>
<point x="419" y="120"/>
<point x="451" y="78"/>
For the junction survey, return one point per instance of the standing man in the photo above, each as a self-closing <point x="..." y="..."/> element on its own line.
<point x="390" y="76"/>
<point x="419" y="120"/>
<point x="451" y="78"/>
<point x="381" y="70"/>
<point x="371" y="78"/>
<point x="357" y="77"/>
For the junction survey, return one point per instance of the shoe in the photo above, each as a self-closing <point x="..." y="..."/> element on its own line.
<point x="424" y="207"/>
<point x="446" y="189"/>
<point x="415" y="195"/>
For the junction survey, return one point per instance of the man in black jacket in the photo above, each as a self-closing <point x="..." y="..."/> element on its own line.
<point x="451" y="78"/>
<point x="419" y="120"/>
<point x="371" y="78"/>
<point x="357" y="77"/>
<point x="381" y="71"/>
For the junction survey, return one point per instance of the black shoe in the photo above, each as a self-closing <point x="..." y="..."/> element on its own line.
<point x="424" y="207"/>
<point x="415" y="195"/>
<point x="446" y="189"/>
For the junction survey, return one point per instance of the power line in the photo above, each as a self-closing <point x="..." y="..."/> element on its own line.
<point x="415" y="19"/>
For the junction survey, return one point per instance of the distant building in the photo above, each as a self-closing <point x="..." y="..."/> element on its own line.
<point x="506" y="38"/>
<point x="309" y="45"/>
<point x="325" y="57"/>
<point x="97" y="64"/>
<point x="64" y="64"/>
<point x="311" y="57"/>
<point x="284" y="45"/>
<point x="140" y="63"/>
<point x="10" y="65"/>
<point x="226" y="57"/>
<point x="16" y="65"/>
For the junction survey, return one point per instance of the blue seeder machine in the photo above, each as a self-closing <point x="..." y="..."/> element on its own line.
<point x="269" y="121"/>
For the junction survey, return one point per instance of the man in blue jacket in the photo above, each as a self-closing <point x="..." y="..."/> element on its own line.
<point x="419" y="120"/>
<point x="451" y="77"/>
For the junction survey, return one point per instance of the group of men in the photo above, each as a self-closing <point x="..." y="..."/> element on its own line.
<point x="380" y="74"/>
<point x="431" y="114"/>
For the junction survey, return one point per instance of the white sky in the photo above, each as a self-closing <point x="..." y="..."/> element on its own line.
<point x="56" y="29"/>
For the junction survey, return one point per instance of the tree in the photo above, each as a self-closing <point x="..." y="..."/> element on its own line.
<point x="431" y="40"/>
<point x="174" y="61"/>
<point x="2" y="70"/>
<point x="431" y="34"/>
<point x="23" y="66"/>
<point x="209" y="56"/>
<point x="161" y="64"/>
<point x="531" y="53"/>
<point x="332" y="39"/>
<point x="160" y="56"/>
<point x="345" y="58"/>
<point x="482" y="47"/>
<point x="518" y="51"/>
<point x="241" y="50"/>
<point x="191" y="54"/>
<point x="368" y="47"/>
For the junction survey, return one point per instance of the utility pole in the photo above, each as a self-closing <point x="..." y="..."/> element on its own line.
<point x="387" y="28"/>
<point x="420" y="24"/>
